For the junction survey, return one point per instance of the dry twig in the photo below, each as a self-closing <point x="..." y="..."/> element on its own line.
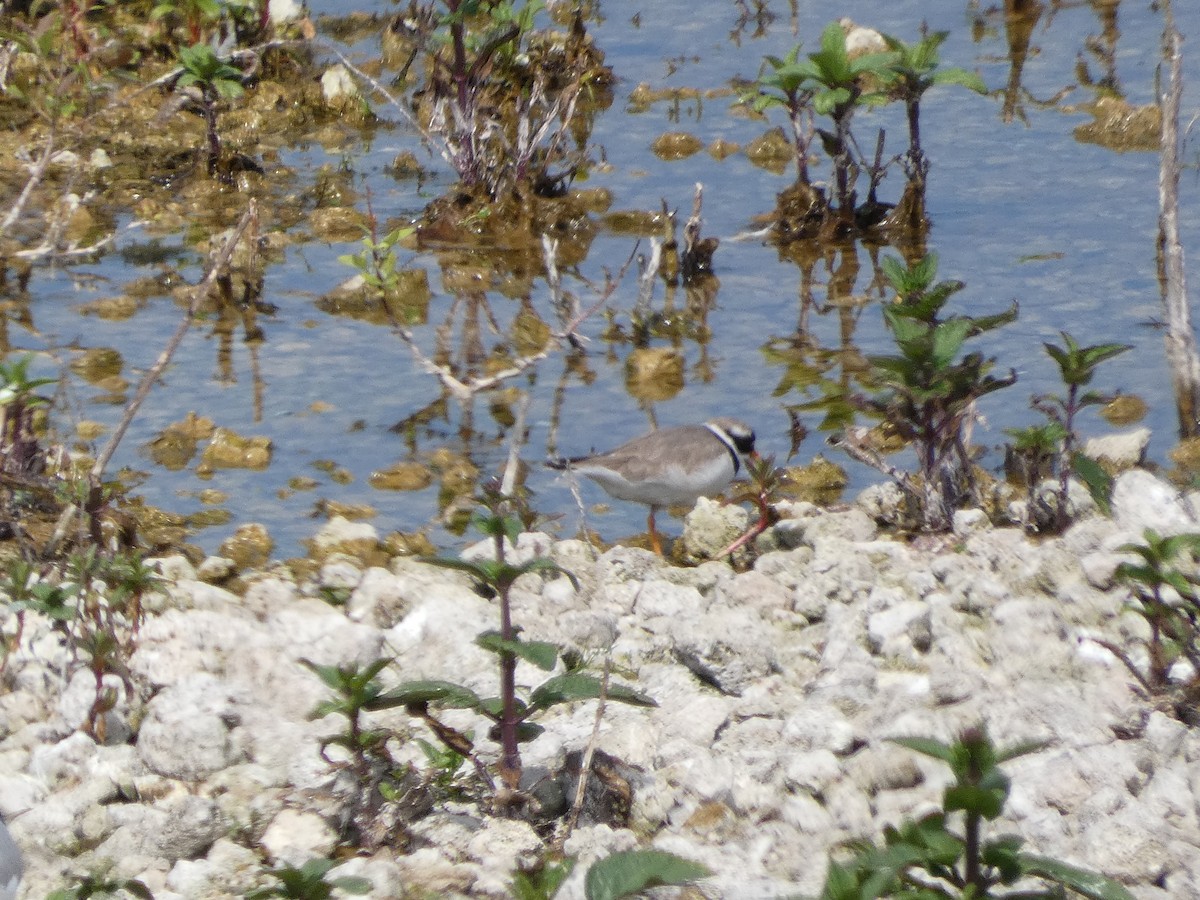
<point x="218" y="265"/>
<point x="1180" y="339"/>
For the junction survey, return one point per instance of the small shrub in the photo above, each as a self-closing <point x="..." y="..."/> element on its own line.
<point x="1165" y="588"/>
<point x="20" y="452"/>
<point x="1077" y="366"/>
<point x="385" y="795"/>
<point x="928" y="859"/>
<point x="511" y="716"/>
<point x="102" y="887"/>
<point x="216" y="80"/>
<point x="97" y="605"/>
<point x="927" y="392"/>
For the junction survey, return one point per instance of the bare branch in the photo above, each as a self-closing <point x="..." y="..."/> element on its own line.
<point x="1180" y="339"/>
<point x="219" y="263"/>
<point x="516" y="437"/>
<point x="35" y="178"/>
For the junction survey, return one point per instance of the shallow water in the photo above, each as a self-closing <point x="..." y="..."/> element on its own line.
<point x="1021" y="210"/>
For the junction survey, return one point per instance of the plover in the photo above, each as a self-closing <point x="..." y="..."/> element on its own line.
<point x="669" y="466"/>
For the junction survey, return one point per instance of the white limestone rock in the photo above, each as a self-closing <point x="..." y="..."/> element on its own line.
<point x="181" y="828"/>
<point x="710" y="527"/>
<point x="1141" y="501"/>
<point x="295" y="836"/>
<point x="379" y="598"/>
<point x="1122" y="450"/>
<point x="187" y="732"/>
<point x="227" y="868"/>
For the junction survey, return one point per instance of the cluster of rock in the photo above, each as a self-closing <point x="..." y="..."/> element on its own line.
<point x="777" y="689"/>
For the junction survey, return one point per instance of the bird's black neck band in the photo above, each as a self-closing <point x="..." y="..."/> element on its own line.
<point x="730" y="448"/>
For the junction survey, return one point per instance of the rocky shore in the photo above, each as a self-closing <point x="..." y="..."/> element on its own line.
<point x="777" y="688"/>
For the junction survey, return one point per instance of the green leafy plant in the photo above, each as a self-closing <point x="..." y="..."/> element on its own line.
<point x="929" y="859"/>
<point x="509" y="713"/>
<point x="1165" y="588"/>
<point x="354" y="689"/>
<point x="927" y="391"/>
<point x="444" y="766"/>
<point x="28" y="592"/>
<point x="1077" y="366"/>
<point x="19" y="397"/>
<point x="763" y="490"/>
<point x="309" y="882"/>
<point x="216" y="80"/>
<point x="195" y="13"/>
<point x="386" y="794"/>
<point x="787" y="85"/>
<point x="97" y="605"/>
<point x="201" y="17"/>
<point x="843" y="85"/>
<point x="103" y="632"/>
<point x="542" y="882"/>
<point x="102" y="887"/>
<point x="1031" y="458"/>
<point x="630" y="872"/>
<point x="376" y="262"/>
<point x="830" y="83"/>
<point x="916" y="69"/>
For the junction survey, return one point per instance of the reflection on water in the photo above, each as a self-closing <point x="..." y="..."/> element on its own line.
<point x="1021" y="209"/>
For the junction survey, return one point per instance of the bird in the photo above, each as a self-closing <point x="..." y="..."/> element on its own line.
<point x="669" y="466"/>
<point x="11" y="864"/>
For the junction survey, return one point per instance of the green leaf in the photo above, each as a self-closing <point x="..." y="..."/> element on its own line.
<point x="328" y="674"/>
<point x="440" y="693"/>
<point x="1078" y="364"/>
<point x="542" y="884"/>
<point x="1045" y="438"/>
<point x="962" y="77"/>
<point x="477" y="569"/>
<point x="1090" y="884"/>
<point x="1099" y="483"/>
<point x="876" y="64"/>
<point x="1021" y="748"/>
<point x="542" y="654"/>
<point x="926" y="746"/>
<point x="228" y="88"/>
<point x="540" y="564"/>
<point x="624" y="874"/>
<point x="579" y="686"/>
<point x="493" y="707"/>
<point x="1178" y="543"/>
<point x="353" y="884"/>
<point x="987" y="323"/>
<point x="988" y="803"/>
<point x="896" y="272"/>
<point x="948" y="338"/>
<point x="1093" y="356"/>
<point x="526" y="731"/>
<point x="840" y="883"/>
<point x="1146" y="575"/>
<point x="827" y="101"/>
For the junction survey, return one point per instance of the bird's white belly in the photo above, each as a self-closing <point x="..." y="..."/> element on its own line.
<point x="673" y="485"/>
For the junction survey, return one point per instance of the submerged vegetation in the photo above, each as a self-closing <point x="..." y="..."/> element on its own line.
<point x="185" y="118"/>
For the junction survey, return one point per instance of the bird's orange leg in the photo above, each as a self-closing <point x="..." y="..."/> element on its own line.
<point x="655" y="543"/>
